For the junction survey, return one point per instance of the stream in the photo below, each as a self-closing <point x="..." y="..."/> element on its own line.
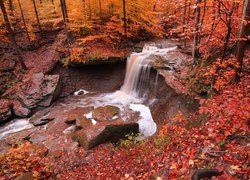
<point x="143" y="97"/>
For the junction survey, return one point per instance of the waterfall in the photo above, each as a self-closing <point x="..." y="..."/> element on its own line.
<point x="138" y="70"/>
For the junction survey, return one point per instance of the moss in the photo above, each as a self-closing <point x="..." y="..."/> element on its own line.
<point x="196" y="122"/>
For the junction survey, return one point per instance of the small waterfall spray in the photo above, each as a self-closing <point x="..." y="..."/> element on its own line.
<point x="138" y="70"/>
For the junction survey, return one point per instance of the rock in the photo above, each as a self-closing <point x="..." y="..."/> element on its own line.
<point x="83" y="122"/>
<point x="25" y="176"/>
<point x="41" y="118"/>
<point x="20" y="110"/>
<point x="105" y="113"/>
<point x="74" y="114"/>
<point x="138" y="47"/>
<point x="38" y="90"/>
<point x="42" y="121"/>
<point x="7" y="79"/>
<point x="5" y="111"/>
<point x="8" y="63"/>
<point x="101" y="133"/>
<point x="18" y="137"/>
<point x="5" y="114"/>
<point x="70" y="120"/>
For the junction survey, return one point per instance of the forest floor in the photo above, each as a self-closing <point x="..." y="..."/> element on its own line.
<point x="216" y="136"/>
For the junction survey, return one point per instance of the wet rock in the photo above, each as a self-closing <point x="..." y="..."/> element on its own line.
<point x="18" y="137"/>
<point x="163" y="63"/>
<point x="70" y="120"/>
<point x="38" y="90"/>
<point x="39" y="115"/>
<point x="83" y="122"/>
<point x="138" y="47"/>
<point x="105" y="113"/>
<point x="25" y="176"/>
<point x="42" y="121"/>
<point x="5" y="112"/>
<point x="101" y="133"/>
<point x="41" y="118"/>
<point x="76" y="113"/>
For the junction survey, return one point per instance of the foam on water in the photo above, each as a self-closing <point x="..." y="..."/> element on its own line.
<point x="147" y="126"/>
<point x="14" y="126"/>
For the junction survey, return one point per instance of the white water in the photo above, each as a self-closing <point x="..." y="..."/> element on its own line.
<point x="146" y="123"/>
<point x="135" y="83"/>
<point x="138" y="70"/>
<point x="15" y="126"/>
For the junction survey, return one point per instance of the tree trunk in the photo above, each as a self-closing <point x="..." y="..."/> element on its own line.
<point x="229" y="31"/>
<point x="64" y="10"/>
<point x="196" y="52"/>
<point x="244" y="32"/>
<point x="203" y="15"/>
<point x="24" y="22"/>
<point x="184" y="24"/>
<point x="37" y="18"/>
<point x="100" y="6"/>
<point x="10" y="5"/>
<point x="7" y="23"/>
<point x="89" y="9"/>
<point x="124" y="18"/>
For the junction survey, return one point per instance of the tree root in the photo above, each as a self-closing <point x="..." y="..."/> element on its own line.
<point x="205" y="173"/>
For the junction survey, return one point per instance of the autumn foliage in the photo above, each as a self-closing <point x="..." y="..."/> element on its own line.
<point x="216" y="135"/>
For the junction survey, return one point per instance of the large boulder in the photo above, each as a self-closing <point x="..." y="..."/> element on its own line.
<point x="103" y="132"/>
<point x="38" y="90"/>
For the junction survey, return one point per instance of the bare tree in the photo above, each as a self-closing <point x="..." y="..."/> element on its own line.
<point x="37" y="18"/>
<point x="100" y="6"/>
<point x="24" y="22"/>
<point x="10" y="5"/>
<point x="184" y="24"/>
<point x="7" y="23"/>
<point x="196" y="52"/>
<point x="64" y="10"/>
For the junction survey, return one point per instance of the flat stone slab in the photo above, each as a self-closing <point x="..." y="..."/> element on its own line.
<point x="105" y="113"/>
<point x="104" y="132"/>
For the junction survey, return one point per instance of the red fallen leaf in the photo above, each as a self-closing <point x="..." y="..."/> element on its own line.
<point x="227" y="133"/>
<point x="201" y="101"/>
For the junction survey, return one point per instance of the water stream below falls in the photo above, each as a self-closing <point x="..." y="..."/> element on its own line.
<point x="133" y="96"/>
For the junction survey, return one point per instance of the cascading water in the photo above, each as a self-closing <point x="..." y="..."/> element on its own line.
<point x="138" y="70"/>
